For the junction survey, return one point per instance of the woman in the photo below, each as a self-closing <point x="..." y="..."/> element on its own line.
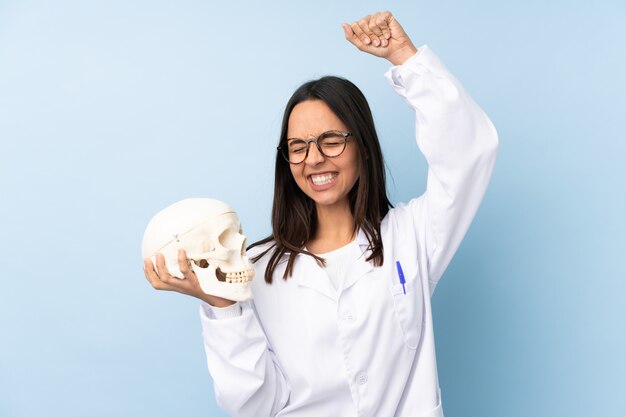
<point x="341" y="323"/>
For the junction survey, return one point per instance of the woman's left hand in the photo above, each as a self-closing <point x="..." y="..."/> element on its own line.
<point x="381" y="35"/>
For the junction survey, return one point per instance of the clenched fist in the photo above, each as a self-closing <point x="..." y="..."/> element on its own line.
<point x="381" y="35"/>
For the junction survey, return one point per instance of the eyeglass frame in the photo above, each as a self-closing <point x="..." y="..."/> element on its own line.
<point x="317" y="145"/>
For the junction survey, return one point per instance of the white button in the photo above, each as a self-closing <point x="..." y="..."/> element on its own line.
<point x="348" y="316"/>
<point x="361" y="378"/>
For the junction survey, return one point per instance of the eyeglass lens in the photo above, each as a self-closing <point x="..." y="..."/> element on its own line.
<point x="330" y="144"/>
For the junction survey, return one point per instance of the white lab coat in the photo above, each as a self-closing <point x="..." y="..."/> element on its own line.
<point x="302" y="348"/>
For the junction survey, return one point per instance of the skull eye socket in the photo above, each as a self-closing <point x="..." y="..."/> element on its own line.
<point x="233" y="240"/>
<point x="228" y="238"/>
<point x="202" y="263"/>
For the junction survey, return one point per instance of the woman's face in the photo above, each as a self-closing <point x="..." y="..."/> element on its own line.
<point x="327" y="181"/>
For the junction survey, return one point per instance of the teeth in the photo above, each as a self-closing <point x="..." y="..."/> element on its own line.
<point x="240" y="277"/>
<point x="322" y="179"/>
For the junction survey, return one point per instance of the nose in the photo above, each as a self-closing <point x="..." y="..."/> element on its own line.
<point x="314" y="156"/>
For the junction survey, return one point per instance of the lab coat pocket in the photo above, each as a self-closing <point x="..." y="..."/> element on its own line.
<point x="409" y="309"/>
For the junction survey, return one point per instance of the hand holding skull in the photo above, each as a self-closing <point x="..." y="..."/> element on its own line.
<point x="198" y="249"/>
<point x="160" y="279"/>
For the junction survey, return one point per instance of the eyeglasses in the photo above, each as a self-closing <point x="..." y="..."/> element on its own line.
<point x="330" y="144"/>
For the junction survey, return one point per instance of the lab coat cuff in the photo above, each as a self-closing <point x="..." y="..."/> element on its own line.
<point x="220" y="313"/>
<point x="418" y="64"/>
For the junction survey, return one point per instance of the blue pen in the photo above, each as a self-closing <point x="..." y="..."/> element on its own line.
<point x="401" y="276"/>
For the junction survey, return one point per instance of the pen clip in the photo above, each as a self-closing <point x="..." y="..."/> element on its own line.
<point x="401" y="276"/>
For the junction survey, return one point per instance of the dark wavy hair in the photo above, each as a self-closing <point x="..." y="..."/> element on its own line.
<point x="294" y="218"/>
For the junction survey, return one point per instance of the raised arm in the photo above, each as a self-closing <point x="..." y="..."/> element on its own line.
<point x="454" y="134"/>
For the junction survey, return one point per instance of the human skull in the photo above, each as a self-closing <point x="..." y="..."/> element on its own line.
<point x="210" y="232"/>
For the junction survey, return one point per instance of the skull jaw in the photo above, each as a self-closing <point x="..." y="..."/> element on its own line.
<point x="210" y="284"/>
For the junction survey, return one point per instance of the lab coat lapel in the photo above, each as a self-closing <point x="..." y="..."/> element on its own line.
<point x="361" y="266"/>
<point x="307" y="273"/>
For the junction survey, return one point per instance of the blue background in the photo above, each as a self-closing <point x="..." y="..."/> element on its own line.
<point x="111" y="110"/>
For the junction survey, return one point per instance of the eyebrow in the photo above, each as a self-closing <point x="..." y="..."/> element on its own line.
<point x="308" y="135"/>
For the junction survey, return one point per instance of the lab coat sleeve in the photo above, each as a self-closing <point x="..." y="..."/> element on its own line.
<point x="460" y="145"/>
<point x="246" y="376"/>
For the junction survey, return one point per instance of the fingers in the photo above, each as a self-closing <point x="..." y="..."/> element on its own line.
<point x="373" y="30"/>
<point x="184" y="265"/>
<point x="153" y="277"/>
<point x="161" y="269"/>
<point x="382" y="20"/>
<point x="160" y="278"/>
<point x="360" y="33"/>
<point x="352" y="37"/>
<point x="373" y="25"/>
<point x="381" y="35"/>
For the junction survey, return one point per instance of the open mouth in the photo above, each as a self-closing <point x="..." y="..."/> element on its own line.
<point x="324" y="179"/>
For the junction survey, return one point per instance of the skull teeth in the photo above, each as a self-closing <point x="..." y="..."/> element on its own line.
<point x="240" y="277"/>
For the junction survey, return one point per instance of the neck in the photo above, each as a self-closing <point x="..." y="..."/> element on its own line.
<point x="335" y="228"/>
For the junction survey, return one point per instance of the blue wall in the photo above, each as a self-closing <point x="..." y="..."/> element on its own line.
<point x="110" y="110"/>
